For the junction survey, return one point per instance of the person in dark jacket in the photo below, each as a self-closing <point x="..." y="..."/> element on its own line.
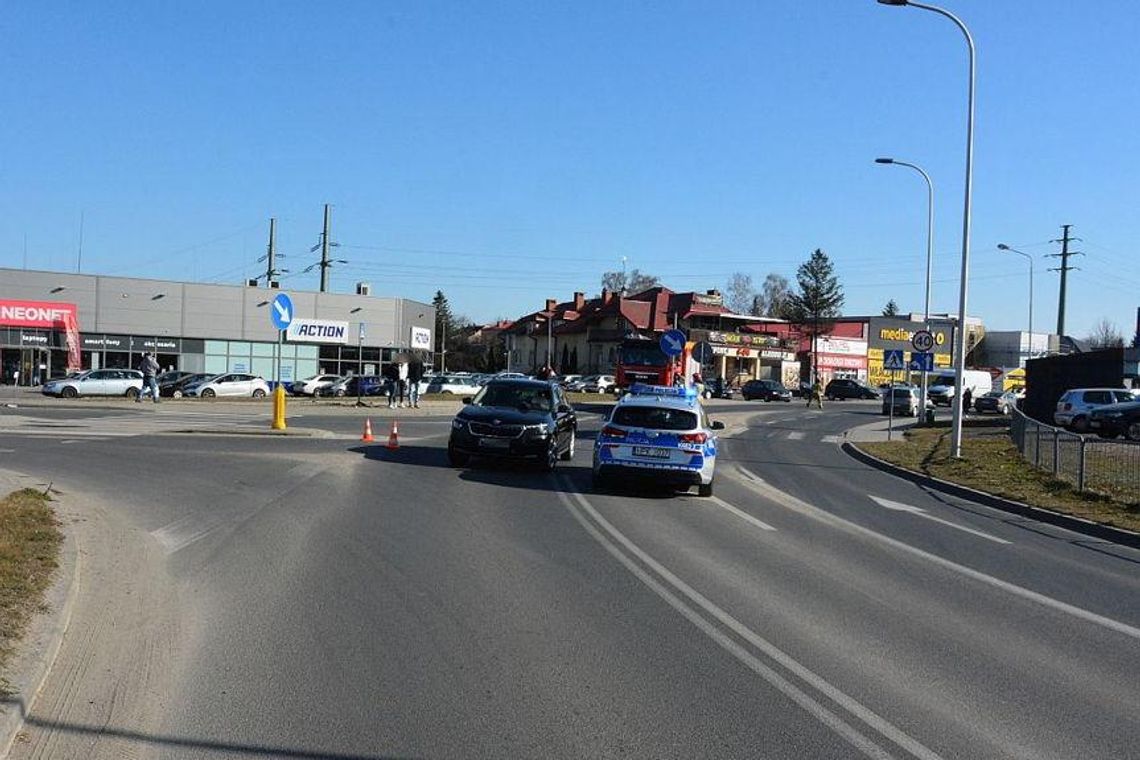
<point x="391" y="375"/>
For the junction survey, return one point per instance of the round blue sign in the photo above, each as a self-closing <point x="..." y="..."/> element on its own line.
<point x="281" y="311"/>
<point x="672" y="342"/>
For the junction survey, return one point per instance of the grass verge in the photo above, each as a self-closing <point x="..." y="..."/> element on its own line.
<point x="992" y="464"/>
<point x="30" y="542"/>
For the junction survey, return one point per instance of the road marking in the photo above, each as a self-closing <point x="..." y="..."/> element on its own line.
<point x="830" y="439"/>
<point x="810" y="510"/>
<point x="813" y="706"/>
<point x="897" y="506"/>
<point x="7" y="451"/>
<point x="795" y="435"/>
<point x="739" y="513"/>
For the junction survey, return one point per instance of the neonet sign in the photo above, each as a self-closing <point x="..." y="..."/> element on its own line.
<point x="48" y="314"/>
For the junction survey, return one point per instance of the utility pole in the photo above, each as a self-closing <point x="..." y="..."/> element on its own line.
<point x="270" y="254"/>
<point x="1064" y="270"/>
<point x="325" y="250"/>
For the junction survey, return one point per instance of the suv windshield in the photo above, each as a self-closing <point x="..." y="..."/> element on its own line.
<point x="654" y="417"/>
<point x="513" y="396"/>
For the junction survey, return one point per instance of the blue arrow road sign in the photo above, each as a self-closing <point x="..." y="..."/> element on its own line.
<point x="893" y="360"/>
<point x="281" y="311"/>
<point x="673" y="342"/>
<point x="703" y="352"/>
<point x="921" y="361"/>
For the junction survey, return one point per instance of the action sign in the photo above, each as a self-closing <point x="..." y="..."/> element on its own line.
<point x="921" y="362"/>
<point x="893" y="360"/>
<point x="317" y="331"/>
<point x="281" y="311"/>
<point x="923" y="340"/>
<point x="673" y="342"/>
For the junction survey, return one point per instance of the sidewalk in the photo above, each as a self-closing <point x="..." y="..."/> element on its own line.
<point x="876" y="432"/>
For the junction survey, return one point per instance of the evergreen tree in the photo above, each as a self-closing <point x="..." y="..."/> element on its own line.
<point x="819" y="300"/>
<point x="444" y="323"/>
<point x="891" y="309"/>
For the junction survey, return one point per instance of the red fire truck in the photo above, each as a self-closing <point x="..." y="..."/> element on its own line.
<point x="641" y="360"/>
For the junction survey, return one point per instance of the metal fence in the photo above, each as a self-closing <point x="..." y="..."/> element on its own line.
<point x="1087" y="462"/>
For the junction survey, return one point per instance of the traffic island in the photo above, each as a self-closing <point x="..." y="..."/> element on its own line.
<point x="992" y="471"/>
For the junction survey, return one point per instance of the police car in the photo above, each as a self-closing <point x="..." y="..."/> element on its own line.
<point x="658" y="432"/>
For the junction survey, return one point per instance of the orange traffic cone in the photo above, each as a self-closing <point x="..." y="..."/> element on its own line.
<point x="367" y="437"/>
<point x="394" y="437"/>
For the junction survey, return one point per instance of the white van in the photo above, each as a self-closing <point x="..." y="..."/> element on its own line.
<point x="941" y="386"/>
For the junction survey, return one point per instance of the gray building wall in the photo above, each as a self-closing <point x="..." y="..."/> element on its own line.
<point x="133" y="306"/>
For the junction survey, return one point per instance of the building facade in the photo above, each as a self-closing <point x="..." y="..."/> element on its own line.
<point x="52" y="321"/>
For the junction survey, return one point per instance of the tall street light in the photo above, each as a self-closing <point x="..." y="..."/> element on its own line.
<point x="1004" y="247"/>
<point x="929" y="253"/>
<point x="960" y="338"/>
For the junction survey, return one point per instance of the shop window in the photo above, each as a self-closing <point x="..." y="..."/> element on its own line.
<point x="305" y="368"/>
<point x="216" y="347"/>
<point x="288" y="351"/>
<point x="263" y="367"/>
<point x="264" y="349"/>
<point x="238" y="364"/>
<point x="307" y="352"/>
<point x="215" y="365"/>
<point x="239" y="348"/>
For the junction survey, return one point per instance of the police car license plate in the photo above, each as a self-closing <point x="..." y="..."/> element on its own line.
<point x="650" y="451"/>
<point x="494" y="443"/>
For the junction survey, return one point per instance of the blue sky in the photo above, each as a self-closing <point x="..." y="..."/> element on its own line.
<point x="505" y="152"/>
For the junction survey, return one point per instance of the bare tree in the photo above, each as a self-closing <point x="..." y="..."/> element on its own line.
<point x="1105" y="335"/>
<point x="629" y="283"/>
<point x="773" y="298"/>
<point x="739" y="293"/>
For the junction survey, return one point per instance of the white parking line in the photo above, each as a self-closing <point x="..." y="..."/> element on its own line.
<point x="739" y="513"/>
<point x="795" y="435"/>
<point x="896" y="506"/>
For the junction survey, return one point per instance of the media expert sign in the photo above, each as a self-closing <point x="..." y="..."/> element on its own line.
<point x="421" y="338"/>
<point x="36" y="313"/>
<point x="889" y="333"/>
<point x="317" y="331"/>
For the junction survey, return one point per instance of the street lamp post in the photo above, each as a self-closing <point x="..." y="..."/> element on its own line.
<point x="929" y="254"/>
<point x="549" y="339"/>
<point x="1004" y="247"/>
<point x="960" y="337"/>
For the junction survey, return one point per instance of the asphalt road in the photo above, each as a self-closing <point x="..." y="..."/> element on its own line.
<point x="307" y="597"/>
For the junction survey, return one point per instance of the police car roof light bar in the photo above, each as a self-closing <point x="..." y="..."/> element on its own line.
<point x="643" y="389"/>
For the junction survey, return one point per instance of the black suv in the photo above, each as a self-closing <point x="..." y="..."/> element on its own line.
<point x="840" y="389"/>
<point x="514" y="419"/>
<point x="765" y="390"/>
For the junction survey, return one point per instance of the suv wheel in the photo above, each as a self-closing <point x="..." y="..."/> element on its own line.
<point x="1133" y="431"/>
<point x="705" y="489"/>
<point x="569" y="453"/>
<point x="551" y="461"/>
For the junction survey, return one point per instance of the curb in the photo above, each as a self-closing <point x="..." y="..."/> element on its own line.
<point x="1068" y="522"/>
<point x="41" y="644"/>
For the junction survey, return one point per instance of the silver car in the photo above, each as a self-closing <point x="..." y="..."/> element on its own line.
<point x="97" y="382"/>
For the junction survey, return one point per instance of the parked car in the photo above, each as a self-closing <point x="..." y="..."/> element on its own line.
<point x="96" y="382"/>
<point x="176" y="387"/>
<point x="765" y="390"/>
<point x="514" y="419"/>
<point x="231" y="384"/>
<point x="1073" y="408"/>
<point x="1116" y="419"/>
<point x="660" y="435"/>
<point x="598" y="384"/>
<point x="370" y="385"/>
<point x="311" y="385"/>
<point x="905" y="400"/>
<point x="454" y="385"/>
<point x="718" y="387"/>
<point x="842" y="388"/>
<point x="566" y="380"/>
<point x="998" y="402"/>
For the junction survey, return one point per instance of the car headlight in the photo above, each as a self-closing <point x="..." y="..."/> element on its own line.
<point x="540" y="430"/>
<point x="458" y="424"/>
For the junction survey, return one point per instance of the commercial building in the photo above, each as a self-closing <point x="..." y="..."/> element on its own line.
<point x="51" y="322"/>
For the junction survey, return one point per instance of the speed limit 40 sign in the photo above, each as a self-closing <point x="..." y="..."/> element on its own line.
<point x="923" y="340"/>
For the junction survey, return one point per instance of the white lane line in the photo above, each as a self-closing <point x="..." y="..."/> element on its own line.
<point x="897" y="506"/>
<point x="830" y="439"/>
<point x="795" y="435"/>
<point x="739" y="513"/>
<point x="779" y="682"/>
<point x="7" y="451"/>
<point x="810" y="510"/>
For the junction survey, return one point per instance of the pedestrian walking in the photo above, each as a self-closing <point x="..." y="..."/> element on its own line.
<point x="392" y="380"/>
<point x="415" y="377"/>
<point x="816" y="394"/>
<point x="699" y="384"/>
<point x="967" y="397"/>
<point x="149" y="367"/>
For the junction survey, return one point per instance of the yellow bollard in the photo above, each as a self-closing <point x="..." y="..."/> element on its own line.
<point x="278" y="408"/>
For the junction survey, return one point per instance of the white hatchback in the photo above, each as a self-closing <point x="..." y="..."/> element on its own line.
<point x="230" y="384"/>
<point x="1073" y="408"/>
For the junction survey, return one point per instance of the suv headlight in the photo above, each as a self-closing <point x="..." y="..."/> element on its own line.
<point x="458" y="424"/>
<point x="541" y="430"/>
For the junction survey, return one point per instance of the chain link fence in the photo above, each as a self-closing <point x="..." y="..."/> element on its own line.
<point x="1091" y="464"/>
